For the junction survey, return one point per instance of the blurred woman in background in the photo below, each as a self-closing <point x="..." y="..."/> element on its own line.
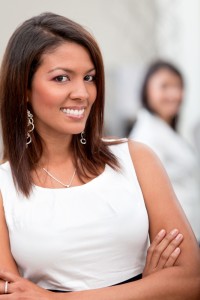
<point x="156" y="125"/>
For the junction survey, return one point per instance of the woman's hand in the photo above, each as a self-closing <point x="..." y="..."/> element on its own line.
<point x="163" y="251"/>
<point x="20" y="288"/>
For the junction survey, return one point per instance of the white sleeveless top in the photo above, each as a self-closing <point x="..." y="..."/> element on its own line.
<point x="85" y="237"/>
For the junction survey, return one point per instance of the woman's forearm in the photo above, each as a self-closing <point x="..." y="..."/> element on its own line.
<point x="168" y="284"/>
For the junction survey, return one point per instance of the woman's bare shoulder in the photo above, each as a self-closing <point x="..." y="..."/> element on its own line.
<point x="138" y="148"/>
<point x="151" y="174"/>
<point x="142" y="155"/>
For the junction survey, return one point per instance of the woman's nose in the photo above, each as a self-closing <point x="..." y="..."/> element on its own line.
<point x="79" y="91"/>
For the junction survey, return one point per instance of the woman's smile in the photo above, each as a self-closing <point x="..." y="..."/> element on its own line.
<point x="76" y="113"/>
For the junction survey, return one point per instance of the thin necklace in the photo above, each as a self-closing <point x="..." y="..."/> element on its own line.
<point x="65" y="185"/>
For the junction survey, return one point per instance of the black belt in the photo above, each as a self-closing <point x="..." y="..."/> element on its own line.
<point x="123" y="282"/>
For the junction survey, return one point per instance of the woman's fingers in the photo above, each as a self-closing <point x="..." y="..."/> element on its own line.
<point x="159" y="237"/>
<point x="168" y="256"/>
<point x="173" y="257"/>
<point x="2" y="286"/>
<point x="8" y="276"/>
<point x="168" y="243"/>
<point x="6" y="281"/>
<point x="163" y="251"/>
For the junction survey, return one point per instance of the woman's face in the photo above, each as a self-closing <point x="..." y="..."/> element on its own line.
<point x="164" y="93"/>
<point x="63" y="91"/>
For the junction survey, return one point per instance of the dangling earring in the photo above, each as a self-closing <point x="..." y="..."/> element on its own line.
<point x="31" y="125"/>
<point x="83" y="139"/>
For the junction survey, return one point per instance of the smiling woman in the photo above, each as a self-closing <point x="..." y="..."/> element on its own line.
<point x="77" y="210"/>
<point x="63" y="91"/>
<point x="62" y="75"/>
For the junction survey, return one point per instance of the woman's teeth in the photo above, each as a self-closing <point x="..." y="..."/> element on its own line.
<point x="73" y="112"/>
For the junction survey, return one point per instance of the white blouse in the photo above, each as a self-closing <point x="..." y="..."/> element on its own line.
<point x="84" y="237"/>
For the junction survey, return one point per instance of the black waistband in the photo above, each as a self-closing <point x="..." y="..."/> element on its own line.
<point x="126" y="281"/>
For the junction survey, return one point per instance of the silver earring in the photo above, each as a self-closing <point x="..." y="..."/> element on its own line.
<point x="83" y="139"/>
<point x="30" y="126"/>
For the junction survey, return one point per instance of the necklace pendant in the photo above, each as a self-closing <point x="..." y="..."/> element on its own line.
<point x="57" y="180"/>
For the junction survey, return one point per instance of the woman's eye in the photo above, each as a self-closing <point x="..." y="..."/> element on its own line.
<point x="89" y="78"/>
<point x="61" y="78"/>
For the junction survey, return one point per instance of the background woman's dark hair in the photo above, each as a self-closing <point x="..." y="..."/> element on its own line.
<point x="154" y="68"/>
<point x="36" y="36"/>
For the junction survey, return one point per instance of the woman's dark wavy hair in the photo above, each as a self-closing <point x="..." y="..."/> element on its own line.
<point x="22" y="58"/>
<point x="154" y="68"/>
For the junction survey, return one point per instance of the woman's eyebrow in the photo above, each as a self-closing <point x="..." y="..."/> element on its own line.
<point x="68" y="70"/>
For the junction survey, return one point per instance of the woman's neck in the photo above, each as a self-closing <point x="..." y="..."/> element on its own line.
<point x="57" y="151"/>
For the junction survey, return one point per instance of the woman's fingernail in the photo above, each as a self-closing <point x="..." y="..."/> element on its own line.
<point x="177" y="250"/>
<point x="174" y="232"/>
<point x="161" y="233"/>
<point x="179" y="236"/>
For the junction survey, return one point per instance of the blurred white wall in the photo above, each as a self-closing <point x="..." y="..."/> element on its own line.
<point x="130" y="33"/>
<point x="115" y="24"/>
<point x="190" y="61"/>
